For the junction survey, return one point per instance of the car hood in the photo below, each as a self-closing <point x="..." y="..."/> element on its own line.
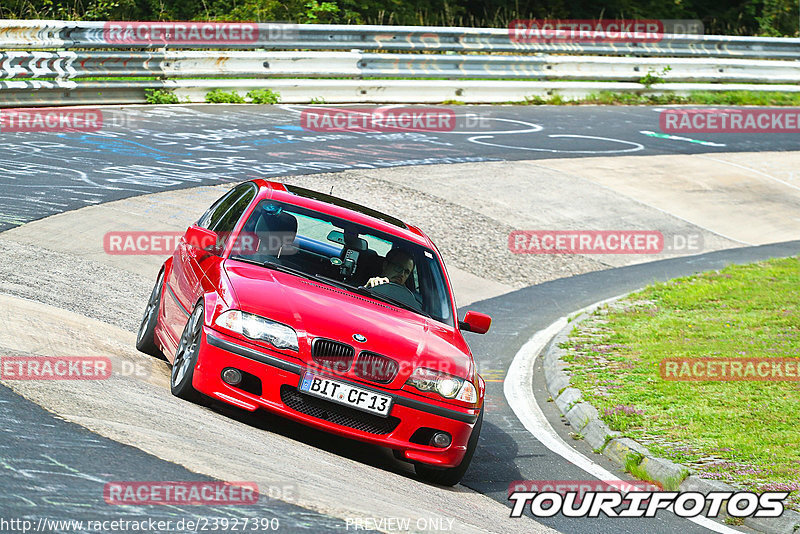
<point x="315" y="309"/>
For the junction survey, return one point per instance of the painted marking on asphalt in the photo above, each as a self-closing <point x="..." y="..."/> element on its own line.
<point x="529" y="127"/>
<point x="679" y="138"/>
<point x="754" y="171"/>
<point x="532" y="128"/>
<point x="518" y="392"/>
<point x="636" y="146"/>
<point x="493" y="375"/>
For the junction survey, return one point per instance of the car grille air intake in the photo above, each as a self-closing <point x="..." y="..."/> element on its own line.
<point x="334" y="413"/>
<point x="332" y="355"/>
<point x="375" y="367"/>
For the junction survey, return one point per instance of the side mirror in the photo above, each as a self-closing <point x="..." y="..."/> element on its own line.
<point x="475" y="322"/>
<point x="202" y="238"/>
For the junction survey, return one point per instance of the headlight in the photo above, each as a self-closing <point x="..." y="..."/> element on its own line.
<point x="448" y="386"/>
<point x="276" y="334"/>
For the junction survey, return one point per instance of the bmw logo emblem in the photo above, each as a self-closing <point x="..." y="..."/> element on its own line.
<point x="359" y="338"/>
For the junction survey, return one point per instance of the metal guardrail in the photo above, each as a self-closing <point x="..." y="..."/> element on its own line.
<point x="47" y="62"/>
<point x="21" y="65"/>
<point x="65" y="35"/>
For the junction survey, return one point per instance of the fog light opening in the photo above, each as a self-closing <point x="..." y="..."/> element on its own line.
<point x="441" y="440"/>
<point x="231" y="376"/>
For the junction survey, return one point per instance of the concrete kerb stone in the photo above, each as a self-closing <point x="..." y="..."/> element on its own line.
<point x="618" y="449"/>
<point x="568" y="398"/>
<point x="597" y="434"/>
<point x="581" y="414"/>
<point x="695" y="483"/>
<point x="788" y="523"/>
<point x="557" y="382"/>
<point x="586" y="420"/>
<point x="665" y="471"/>
<point x="556" y="377"/>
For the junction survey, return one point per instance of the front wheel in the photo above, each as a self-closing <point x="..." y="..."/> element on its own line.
<point x="452" y="475"/>
<point x="186" y="357"/>
<point x="146" y="337"/>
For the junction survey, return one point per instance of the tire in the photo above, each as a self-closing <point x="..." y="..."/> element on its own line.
<point x="180" y="379"/>
<point x="452" y="475"/>
<point x="145" y="337"/>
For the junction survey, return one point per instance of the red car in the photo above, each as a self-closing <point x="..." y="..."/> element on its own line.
<point x="325" y="312"/>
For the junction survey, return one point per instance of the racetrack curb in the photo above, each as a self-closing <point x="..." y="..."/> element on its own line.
<point x="585" y="420"/>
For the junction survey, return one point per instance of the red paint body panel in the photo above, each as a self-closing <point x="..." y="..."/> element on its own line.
<point x="207" y="380"/>
<point x="317" y="310"/>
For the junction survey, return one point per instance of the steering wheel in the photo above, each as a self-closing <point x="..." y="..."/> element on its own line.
<point x="398" y="292"/>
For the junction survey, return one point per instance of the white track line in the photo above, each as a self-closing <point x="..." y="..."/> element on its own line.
<point x="750" y="169"/>
<point x="519" y="394"/>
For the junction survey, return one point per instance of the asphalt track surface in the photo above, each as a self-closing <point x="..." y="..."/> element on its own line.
<point x="52" y="470"/>
<point x="143" y="150"/>
<point x="179" y="147"/>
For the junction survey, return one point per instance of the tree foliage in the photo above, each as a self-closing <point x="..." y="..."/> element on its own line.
<point x="731" y="17"/>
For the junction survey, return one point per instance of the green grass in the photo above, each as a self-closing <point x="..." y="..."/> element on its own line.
<point x="706" y="98"/>
<point x="160" y="96"/>
<point x="263" y="96"/>
<point x="218" y="96"/>
<point x="743" y="433"/>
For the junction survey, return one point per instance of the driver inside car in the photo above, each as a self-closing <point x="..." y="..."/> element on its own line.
<point x="397" y="267"/>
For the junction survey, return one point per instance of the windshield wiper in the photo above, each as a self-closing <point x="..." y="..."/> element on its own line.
<point x="333" y="282"/>
<point x="365" y="291"/>
<point x="277" y="267"/>
<point x="400" y="304"/>
<point x="290" y="270"/>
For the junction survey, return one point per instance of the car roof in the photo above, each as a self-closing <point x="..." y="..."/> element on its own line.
<point x="345" y="209"/>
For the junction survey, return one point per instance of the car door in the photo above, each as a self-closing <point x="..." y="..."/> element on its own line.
<point x="191" y="264"/>
<point x="207" y="265"/>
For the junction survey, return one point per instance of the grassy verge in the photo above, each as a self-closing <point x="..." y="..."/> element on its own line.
<point x="743" y="433"/>
<point x="705" y="98"/>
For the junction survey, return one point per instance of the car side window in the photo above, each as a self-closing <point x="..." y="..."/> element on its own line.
<point x="227" y="222"/>
<point x="225" y="225"/>
<point x="218" y="210"/>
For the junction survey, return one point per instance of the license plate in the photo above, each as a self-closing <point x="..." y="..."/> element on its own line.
<point x="343" y="393"/>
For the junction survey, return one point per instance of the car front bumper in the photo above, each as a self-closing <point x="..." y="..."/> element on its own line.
<point x="280" y="377"/>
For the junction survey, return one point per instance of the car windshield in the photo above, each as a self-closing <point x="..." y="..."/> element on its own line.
<point x="308" y="243"/>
